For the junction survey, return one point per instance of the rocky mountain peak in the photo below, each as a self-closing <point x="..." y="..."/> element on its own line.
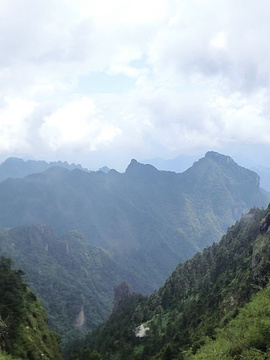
<point x="137" y="168"/>
<point x="219" y="158"/>
<point x="121" y="292"/>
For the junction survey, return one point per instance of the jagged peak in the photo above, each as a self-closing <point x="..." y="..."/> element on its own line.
<point x="132" y="164"/>
<point x="216" y="163"/>
<point x="136" y="167"/>
<point x="220" y="158"/>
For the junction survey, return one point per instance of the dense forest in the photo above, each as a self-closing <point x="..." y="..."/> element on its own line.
<point x="24" y="331"/>
<point x="72" y="278"/>
<point x="214" y="306"/>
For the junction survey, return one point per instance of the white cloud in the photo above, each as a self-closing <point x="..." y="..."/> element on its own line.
<point x="225" y="38"/>
<point x="77" y="124"/>
<point x="119" y="13"/>
<point x="200" y="69"/>
<point x="15" y="124"/>
<point x="243" y="119"/>
<point x="219" y="41"/>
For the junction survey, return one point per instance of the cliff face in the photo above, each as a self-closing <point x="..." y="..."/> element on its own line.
<point x="121" y="292"/>
<point x="246" y="175"/>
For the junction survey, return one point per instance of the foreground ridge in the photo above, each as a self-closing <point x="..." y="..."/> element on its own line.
<point x="23" y="322"/>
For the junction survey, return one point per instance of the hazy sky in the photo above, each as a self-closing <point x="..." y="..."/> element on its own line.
<point x="101" y="82"/>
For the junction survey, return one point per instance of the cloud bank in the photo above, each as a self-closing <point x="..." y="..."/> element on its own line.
<point x="103" y="82"/>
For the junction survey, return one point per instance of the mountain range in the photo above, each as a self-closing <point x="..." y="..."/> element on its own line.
<point x="17" y="168"/>
<point x="77" y="233"/>
<point x="151" y="220"/>
<point x="183" y="162"/>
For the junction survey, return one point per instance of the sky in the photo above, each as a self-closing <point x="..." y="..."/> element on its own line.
<point x="101" y="82"/>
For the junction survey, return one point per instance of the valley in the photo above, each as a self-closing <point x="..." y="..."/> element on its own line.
<point x="213" y="306"/>
<point x="76" y="234"/>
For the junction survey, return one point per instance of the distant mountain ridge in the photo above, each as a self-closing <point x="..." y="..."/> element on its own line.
<point x="151" y="220"/>
<point x="137" y="227"/>
<point x="182" y="162"/>
<point x="17" y="168"/>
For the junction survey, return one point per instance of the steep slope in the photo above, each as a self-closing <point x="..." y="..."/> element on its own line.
<point x="17" y="168"/>
<point x="23" y="324"/>
<point x="204" y="293"/>
<point x="73" y="279"/>
<point x="150" y="219"/>
<point x="244" y="337"/>
<point x="264" y="173"/>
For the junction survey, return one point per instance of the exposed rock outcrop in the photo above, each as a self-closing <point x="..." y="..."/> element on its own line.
<point x="122" y="291"/>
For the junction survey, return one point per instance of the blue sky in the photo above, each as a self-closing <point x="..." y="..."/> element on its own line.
<point x="101" y="82"/>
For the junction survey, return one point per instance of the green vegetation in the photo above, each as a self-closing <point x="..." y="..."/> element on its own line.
<point x="246" y="336"/>
<point x="212" y="305"/>
<point x="150" y="220"/>
<point x="4" y="356"/>
<point x="137" y="227"/>
<point x="73" y="279"/>
<point x="24" y="332"/>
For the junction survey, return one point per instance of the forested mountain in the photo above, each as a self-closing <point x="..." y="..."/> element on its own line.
<point x="137" y="227"/>
<point x="151" y="220"/>
<point x="24" y="331"/>
<point x="183" y="162"/>
<point x="17" y="168"/>
<point x="214" y="306"/>
<point x="73" y="279"/>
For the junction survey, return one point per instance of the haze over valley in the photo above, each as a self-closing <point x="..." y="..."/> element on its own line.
<point x="78" y="233"/>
